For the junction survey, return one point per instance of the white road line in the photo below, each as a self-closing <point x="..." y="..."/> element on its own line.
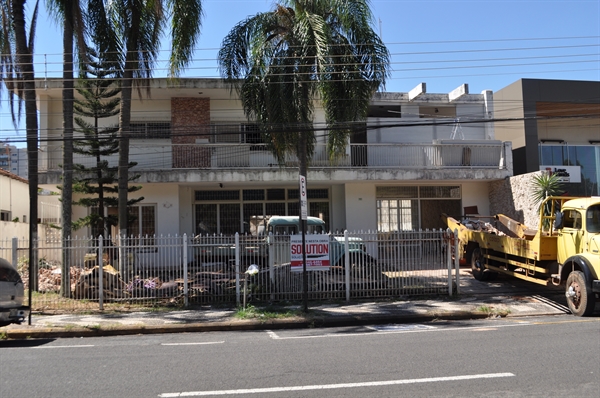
<point x="334" y="386"/>
<point x="275" y="336"/>
<point x="200" y="343"/>
<point x="65" y="346"/>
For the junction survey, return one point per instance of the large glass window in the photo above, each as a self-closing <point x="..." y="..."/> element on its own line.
<point x="585" y="156"/>
<point x="411" y="207"/>
<point x="230" y="211"/>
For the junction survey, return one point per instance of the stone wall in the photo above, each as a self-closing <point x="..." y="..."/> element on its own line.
<point x="512" y="197"/>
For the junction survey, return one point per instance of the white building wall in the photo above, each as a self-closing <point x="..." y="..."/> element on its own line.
<point x="14" y="198"/>
<point x="476" y="194"/>
<point x="361" y="207"/>
<point x="166" y="199"/>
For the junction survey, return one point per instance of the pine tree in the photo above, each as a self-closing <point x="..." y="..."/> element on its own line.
<point x="99" y="89"/>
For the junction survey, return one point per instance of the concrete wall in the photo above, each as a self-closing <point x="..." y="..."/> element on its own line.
<point x="361" y="207"/>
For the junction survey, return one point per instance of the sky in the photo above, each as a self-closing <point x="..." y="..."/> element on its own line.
<point x="487" y="44"/>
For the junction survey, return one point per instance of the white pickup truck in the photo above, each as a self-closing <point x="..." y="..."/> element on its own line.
<point x="12" y="295"/>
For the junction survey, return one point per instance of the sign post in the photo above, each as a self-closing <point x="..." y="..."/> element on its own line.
<point x="303" y="216"/>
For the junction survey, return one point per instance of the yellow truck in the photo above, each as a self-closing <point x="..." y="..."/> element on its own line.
<point x="564" y="249"/>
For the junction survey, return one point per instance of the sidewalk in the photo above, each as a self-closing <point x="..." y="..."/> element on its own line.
<point x="504" y="297"/>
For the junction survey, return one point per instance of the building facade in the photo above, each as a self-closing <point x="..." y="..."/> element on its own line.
<point x="204" y="168"/>
<point x="14" y="160"/>
<point x="553" y="125"/>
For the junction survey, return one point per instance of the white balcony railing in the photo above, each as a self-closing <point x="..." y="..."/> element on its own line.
<point x="458" y="154"/>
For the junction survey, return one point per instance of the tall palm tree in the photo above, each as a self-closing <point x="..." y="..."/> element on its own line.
<point x="280" y="61"/>
<point x="140" y="24"/>
<point x="17" y="73"/>
<point x="69" y="14"/>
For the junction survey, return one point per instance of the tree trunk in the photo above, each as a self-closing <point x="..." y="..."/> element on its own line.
<point x="124" y="122"/>
<point x="25" y="61"/>
<point x="67" y="169"/>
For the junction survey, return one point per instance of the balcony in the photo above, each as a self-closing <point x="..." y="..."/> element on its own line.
<point x="153" y="156"/>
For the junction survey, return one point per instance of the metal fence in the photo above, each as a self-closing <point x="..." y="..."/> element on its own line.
<point x="181" y="270"/>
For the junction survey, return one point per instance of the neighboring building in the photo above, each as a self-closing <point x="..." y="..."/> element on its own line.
<point x="14" y="160"/>
<point x="204" y="168"/>
<point x="14" y="197"/>
<point x="555" y="125"/>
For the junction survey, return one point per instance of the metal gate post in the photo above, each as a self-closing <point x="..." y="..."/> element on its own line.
<point x="15" y="255"/>
<point x="185" y="271"/>
<point x="449" y="261"/>
<point x="271" y="260"/>
<point x="347" y="263"/>
<point x="237" y="268"/>
<point x="100" y="261"/>
<point x="457" y="262"/>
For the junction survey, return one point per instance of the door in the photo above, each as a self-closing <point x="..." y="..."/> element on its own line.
<point x="570" y="237"/>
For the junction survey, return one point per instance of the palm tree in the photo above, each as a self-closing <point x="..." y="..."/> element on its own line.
<point x="544" y="185"/>
<point x="280" y="61"/>
<point x="17" y="73"/>
<point x="140" y="24"/>
<point x="69" y="14"/>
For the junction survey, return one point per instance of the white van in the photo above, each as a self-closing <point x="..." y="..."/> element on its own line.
<point x="12" y="295"/>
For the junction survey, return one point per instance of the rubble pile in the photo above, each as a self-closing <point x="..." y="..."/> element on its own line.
<point x="87" y="286"/>
<point x="217" y="282"/>
<point x="482" y="226"/>
<point x="49" y="279"/>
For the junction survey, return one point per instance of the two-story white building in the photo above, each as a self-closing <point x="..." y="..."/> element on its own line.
<point x="204" y="168"/>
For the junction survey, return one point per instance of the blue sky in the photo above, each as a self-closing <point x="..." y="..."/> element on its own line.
<point x="487" y="44"/>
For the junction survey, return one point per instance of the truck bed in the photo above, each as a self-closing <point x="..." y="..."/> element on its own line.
<point x="505" y="235"/>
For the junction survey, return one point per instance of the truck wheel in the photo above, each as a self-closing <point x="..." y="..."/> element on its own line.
<point x="477" y="267"/>
<point x="579" y="298"/>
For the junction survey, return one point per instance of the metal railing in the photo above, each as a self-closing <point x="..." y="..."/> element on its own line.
<point x="155" y="156"/>
<point x="182" y="270"/>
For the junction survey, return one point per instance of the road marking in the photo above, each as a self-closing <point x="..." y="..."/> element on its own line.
<point x="200" y="343"/>
<point x="400" y="328"/>
<point x="413" y="329"/>
<point x="335" y="386"/>
<point x="64" y="346"/>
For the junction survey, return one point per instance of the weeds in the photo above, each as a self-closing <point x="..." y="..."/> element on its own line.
<point x="493" y="311"/>
<point x="265" y="314"/>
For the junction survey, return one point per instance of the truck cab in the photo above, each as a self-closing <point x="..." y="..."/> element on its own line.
<point x="578" y="251"/>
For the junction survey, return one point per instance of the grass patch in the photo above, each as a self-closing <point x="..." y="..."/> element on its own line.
<point x="493" y="311"/>
<point x="267" y="313"/>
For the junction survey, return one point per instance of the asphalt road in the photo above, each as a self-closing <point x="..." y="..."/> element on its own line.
<point x="555" y="356"/>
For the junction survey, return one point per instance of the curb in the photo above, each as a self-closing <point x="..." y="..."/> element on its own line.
<point x="236" y="325"/>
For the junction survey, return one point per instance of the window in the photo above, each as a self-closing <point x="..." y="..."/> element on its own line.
<point x="141" y="224"/>
<point x="236" y="133"/>
<point x="4" y="215"/>
<point x="572" y="219"/>
<point x="592" y="216"/>
<point x="230" y="211"/>
<point x="411" y="207"/>
<point x="150" y="130"/>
